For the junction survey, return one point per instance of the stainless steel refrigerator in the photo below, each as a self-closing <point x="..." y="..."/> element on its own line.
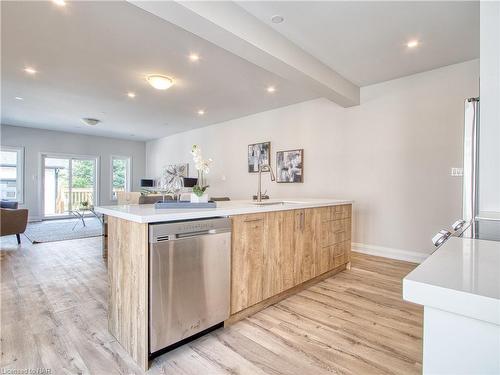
<point x="472" y="224"/>
<point x="480" y="227"/>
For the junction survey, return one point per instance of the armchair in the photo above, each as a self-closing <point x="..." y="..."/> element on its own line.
<point x="13" y="221"/>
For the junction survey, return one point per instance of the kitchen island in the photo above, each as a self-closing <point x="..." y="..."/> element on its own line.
<point x="277" y="248"/>
<point x="459" y="287"/>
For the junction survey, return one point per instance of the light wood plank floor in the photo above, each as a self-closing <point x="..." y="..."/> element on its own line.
<point x="53" y="315"/>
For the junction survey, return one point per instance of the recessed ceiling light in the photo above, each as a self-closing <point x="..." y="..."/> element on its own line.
<point x="61" y="3"/>
<point x="30" y="70"/>
<point x="194" y="57"/>
<point x="90" y="121"/>
<point x="131" y="94"/>
<point x="160" y="82"/>
<point x="412" y="44"/>
<point x="18" y="98"/>
<point x="277" y="19"/>
<point x="271" y="89"/>
<point x="201" y="112"/>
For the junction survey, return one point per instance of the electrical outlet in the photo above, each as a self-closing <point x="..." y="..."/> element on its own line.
<point x="457" y="172"/>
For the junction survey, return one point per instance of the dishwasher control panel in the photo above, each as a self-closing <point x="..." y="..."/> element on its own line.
<point x="173" y="230"/>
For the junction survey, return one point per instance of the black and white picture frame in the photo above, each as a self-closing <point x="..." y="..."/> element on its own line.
<point x="290" y="166"/>
<point x="258" y="154"/>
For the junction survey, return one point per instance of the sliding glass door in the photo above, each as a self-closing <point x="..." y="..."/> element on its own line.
<point x="69" y="183"/>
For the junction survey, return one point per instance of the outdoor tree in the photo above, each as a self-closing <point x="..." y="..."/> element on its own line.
<point x="119" y="174"/>
<point x="83" y="173"/>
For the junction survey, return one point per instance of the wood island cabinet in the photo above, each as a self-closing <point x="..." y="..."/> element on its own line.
<point x="274" y="252"/>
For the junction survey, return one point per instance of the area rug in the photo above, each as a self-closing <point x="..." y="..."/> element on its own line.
<point x="60" y="230"/>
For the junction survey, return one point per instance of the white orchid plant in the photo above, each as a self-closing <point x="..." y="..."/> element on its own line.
<point x="203" y="167"/>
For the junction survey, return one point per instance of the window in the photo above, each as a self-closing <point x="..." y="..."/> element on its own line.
<point x="69" y="182"/>
<point x="120" y="175"/>
<point x="12" y="173"/>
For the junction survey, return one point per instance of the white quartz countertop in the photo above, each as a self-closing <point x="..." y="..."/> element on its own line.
<point x="147" y="213"/>
<point x="461" y="277"/>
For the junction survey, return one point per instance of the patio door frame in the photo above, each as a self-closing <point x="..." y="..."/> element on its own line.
<point x="41" y="193"/>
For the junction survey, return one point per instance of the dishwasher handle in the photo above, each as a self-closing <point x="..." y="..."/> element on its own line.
<point x="180" y="230"/>
<point x="183" y="236"/>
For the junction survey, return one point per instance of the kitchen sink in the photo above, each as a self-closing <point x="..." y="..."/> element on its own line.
<point x="275" y="203"/>
<point x="268" y="203"/>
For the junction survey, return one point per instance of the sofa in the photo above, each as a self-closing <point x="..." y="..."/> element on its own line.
<point x="13" y="220"/>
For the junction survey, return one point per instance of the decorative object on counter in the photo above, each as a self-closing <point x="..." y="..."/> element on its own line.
<point x="172" y="178"/>
<point x="290" y="166"/>
<point x="258" y="154"/>
<point x="199" y="194"/>
<point x="153" y="198"/>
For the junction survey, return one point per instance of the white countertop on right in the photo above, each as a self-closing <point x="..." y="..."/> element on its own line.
<point x="462" y="277"/>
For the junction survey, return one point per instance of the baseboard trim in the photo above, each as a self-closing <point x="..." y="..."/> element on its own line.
<point x="388" y="252"/>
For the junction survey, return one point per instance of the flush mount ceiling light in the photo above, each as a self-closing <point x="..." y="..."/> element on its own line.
<point x="277" y="19"/>
<point x="61" y="3"/>
<point x="271" y="89"/>
<point x="160" y="82"/>
<point x="201" y="112"/>
<point x="90" y="121"/>
<point x="412" y="44"/>
<point x="30" y="70"/>
<point x="18" y="98"/>
<point x="131" y="94"/>
<point x="194" y="57"/>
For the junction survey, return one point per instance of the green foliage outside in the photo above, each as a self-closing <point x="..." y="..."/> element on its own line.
<point x="83" y="173"/>
<point x="119" y="173"/>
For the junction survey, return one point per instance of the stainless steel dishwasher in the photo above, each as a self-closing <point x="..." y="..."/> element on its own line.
<point x="189" y="279"/>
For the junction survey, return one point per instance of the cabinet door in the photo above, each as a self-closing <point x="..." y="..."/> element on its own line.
<point x="278" y="272"/>
<point x="247" y="261"/>
<point x="306" y="235"/>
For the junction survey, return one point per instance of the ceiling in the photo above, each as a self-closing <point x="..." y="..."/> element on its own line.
<point x="365" y="42"/>
<point x="90" y="54"/>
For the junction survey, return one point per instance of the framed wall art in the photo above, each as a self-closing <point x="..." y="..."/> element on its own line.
<point x="258" y="154"/>
<point x="290" y="166"/>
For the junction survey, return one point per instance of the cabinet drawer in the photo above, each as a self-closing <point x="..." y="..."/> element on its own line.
<point x="335" y="231"/>
<point x="336" y="212"/>
<point x="339" y="260"/>
<point x="341" y="248"/>
<point x="333" y="256"/>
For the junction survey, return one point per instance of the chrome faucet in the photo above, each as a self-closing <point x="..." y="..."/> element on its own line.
<point x="263" y="168"/>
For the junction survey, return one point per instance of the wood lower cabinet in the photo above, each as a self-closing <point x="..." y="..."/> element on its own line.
<point x="276" y="251"/>
<point x="247" y="262"/>
<point x="306" y="235"/>
<point x="278" y="271"/>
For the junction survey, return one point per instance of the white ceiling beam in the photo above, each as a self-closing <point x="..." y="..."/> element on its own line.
<point x="232" y="28"/>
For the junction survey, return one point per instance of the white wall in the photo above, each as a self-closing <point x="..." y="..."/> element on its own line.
<point x="392" y="154"/>
<point x="489" y="151"/>
<point x="36" y="141"/>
